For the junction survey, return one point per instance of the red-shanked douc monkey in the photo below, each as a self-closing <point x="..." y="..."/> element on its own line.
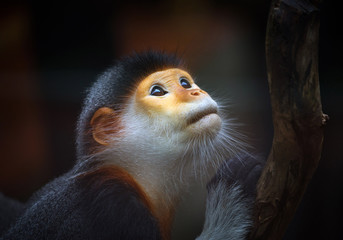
<point x="145" y="131"/>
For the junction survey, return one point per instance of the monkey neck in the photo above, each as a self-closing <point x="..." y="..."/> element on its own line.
<point x="164" y="194"/>
<point x="156" y="165"/>
<point x="160" y="183"/>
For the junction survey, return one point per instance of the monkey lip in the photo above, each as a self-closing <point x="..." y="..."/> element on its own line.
<point x="199" y="115"/>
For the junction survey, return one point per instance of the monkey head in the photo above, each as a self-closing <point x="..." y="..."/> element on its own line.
<point x="152" y="115"/>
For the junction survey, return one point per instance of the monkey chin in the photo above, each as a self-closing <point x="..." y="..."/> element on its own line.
<point x="208" y="126"/>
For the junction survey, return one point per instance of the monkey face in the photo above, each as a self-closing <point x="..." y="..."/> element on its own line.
<point x="171" y="98"/>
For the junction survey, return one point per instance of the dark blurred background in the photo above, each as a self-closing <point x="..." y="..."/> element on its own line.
<point x="51" y="51"/>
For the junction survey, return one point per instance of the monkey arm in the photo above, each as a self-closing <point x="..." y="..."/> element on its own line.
<point x="231" y="194"/>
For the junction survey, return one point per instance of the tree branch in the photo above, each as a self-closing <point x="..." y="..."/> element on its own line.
<point x="292" y="65"/>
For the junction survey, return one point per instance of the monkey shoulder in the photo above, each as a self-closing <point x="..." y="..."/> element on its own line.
<point x="110" y="195"/>
<point x="93" y="205"/>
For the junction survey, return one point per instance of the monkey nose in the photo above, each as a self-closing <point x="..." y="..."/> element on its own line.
<point x="197" y="92"/>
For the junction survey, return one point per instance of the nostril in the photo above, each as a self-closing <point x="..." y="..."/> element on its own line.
<point x="195" y="93"/>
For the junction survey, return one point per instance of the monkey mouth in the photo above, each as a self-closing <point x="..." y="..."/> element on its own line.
<point x="199" y="115"/>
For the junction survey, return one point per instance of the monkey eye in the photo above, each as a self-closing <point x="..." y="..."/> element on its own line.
<point x="157" y="91"/>
<point x="184" y="82"/>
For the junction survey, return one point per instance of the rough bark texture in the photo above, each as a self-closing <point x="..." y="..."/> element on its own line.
<point x="292" y="65"/>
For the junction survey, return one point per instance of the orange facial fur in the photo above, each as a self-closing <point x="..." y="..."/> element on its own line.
<point x="171" y="103"/>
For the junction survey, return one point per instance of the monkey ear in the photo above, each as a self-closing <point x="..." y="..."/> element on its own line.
<point x="103" y="125"/>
